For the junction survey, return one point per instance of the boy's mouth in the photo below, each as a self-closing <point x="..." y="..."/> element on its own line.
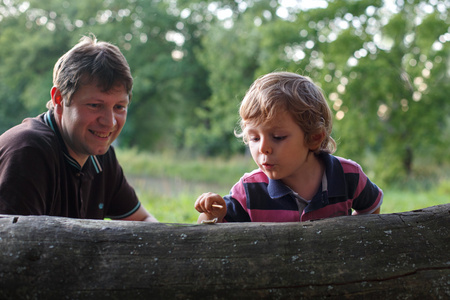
<point x="267" y="165"/>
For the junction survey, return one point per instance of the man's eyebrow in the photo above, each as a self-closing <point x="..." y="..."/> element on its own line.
<point x="124" y="101"/>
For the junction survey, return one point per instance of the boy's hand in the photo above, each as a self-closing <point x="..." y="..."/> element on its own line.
<point x="210" y="206"/>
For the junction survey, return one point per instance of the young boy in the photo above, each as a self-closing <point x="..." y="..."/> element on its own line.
<point x="286" y="122"/>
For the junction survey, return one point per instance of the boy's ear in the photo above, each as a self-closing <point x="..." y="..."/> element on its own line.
<point x="316" y="140"/>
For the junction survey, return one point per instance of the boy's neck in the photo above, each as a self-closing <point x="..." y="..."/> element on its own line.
<point x="307" y="182"/>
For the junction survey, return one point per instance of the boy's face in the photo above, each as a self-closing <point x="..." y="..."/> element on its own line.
<point x="93" y="120"/>
<point x="279" y="148"/>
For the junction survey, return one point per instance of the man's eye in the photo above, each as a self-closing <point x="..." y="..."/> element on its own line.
<point x="93" y="105"/>
<point x="121" y="107"/>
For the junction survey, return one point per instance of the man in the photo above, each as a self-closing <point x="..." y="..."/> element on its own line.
<point x="61" y="162"/>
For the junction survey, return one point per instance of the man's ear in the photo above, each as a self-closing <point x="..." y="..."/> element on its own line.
<point x="57" y="100"/>
<point x="56" y="96"/>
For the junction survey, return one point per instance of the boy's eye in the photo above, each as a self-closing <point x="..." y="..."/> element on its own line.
<point x="253" y="138"/>
<point x="279" y="138"/>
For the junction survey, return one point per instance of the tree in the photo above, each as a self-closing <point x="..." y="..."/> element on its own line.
<point x="229" y="52"/>
<point x="394" y="101"/>
<point x="377" y="65"/>
<point x="383" y="67"/>
<point x="26" y="52"/>
<point x="35" y="34"/>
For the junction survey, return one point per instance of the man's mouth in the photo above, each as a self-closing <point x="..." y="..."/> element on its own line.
<point x="100" y="134"/>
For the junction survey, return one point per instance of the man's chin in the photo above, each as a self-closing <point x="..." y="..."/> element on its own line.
<point x="101" y="151"/>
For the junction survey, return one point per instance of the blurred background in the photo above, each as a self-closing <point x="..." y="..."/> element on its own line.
<point x="383" y="65"/>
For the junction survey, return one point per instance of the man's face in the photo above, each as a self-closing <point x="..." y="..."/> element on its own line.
<point x="93" y="120"/>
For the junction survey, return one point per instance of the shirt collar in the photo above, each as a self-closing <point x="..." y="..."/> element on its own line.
<point x="49" y="120"/>
<point x="334" y="178"/>
<point x="335" y="175"/>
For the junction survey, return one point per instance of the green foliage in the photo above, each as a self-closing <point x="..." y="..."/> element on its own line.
<point x="384" y="70"/>
<point x="166" y="209"/>
<point x="230" y="68"/>
<point x="184" y="167"/>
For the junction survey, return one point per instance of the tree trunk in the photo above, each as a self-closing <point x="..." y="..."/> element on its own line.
<point x="393" y="256"/>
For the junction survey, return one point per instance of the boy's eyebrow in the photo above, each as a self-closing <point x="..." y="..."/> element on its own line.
<point x="273" y="125"/>
<point x="267" y="128"/>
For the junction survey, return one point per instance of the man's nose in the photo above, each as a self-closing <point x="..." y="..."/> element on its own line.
<point x="108" y="118"/>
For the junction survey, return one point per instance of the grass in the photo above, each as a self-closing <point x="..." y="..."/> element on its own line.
<point x="169" y="184"/>
<point x="172" y="200"/>
<point x="396" y="200"/>
<point x="169" y="165"/>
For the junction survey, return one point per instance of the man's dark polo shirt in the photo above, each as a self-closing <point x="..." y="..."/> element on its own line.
<point x="38" y="177"/>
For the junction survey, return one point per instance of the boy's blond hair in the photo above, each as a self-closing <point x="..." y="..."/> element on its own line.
<point x="278" y="92"/>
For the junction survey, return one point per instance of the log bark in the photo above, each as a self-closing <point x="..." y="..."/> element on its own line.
<point x="392" y="256"/>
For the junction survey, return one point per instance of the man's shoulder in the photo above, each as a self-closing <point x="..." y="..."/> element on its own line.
<point x="32" y="132"/>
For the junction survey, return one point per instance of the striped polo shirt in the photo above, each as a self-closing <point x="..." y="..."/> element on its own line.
<point x="344" y="188"/>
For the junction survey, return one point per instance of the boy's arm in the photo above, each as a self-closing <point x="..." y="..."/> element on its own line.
<point x="204" y="217"/>
<point x="377" y="211"/>
<point x="210" y="206"/>
<point x="370" y="196"/>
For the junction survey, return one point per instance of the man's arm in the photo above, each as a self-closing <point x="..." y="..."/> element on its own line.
<point x="141" y="215"/>
<point x="25" y="182"/>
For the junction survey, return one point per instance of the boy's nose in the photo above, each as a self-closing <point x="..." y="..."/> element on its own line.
<point x="265" y="147"/>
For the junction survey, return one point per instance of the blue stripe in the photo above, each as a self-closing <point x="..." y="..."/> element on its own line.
<point x="49" y="121"/>
<point x="127" y="214"/>
<point x="94" y="162"/>
<point x="69" y="159"/>
<point x="72" y="162"/>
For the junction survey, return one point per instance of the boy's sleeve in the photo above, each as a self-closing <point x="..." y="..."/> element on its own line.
<point x="236" y="204"/>
<point x="368" y="196"/>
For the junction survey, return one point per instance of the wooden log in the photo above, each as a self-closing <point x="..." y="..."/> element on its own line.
<point x="392" y="256"/>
